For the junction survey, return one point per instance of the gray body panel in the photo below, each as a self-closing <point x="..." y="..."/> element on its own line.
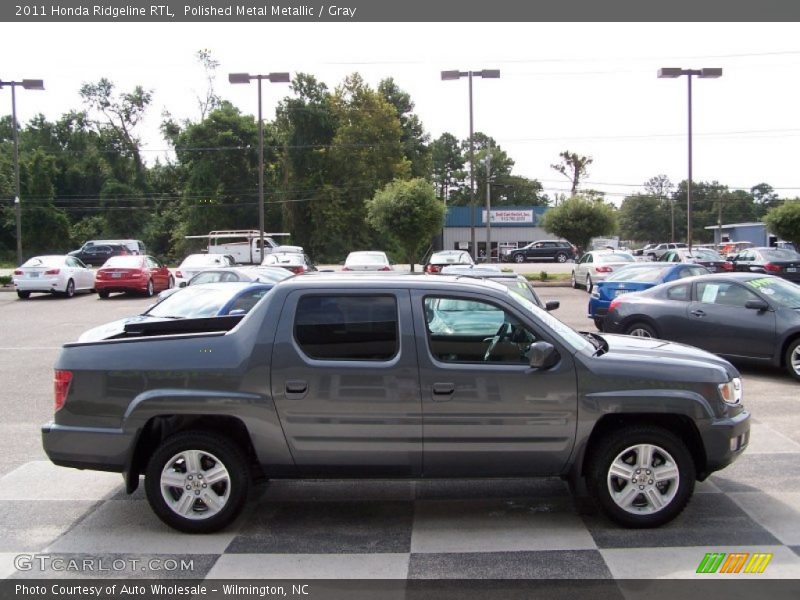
<point x="384" y="418"/>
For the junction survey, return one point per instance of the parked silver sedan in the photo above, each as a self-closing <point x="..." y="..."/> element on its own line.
<point x="596" y="265"/>
<point x="53" y="274"/>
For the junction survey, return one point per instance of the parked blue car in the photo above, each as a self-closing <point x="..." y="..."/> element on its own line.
<point x="636" y="278"/>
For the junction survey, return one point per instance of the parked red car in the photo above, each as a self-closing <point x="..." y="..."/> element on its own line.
<point x="143" y="274"/>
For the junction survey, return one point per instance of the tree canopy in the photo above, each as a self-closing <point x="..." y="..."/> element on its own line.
<point x="579" y="219"/>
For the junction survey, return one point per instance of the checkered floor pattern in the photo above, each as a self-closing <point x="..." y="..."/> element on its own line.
<point x="404" y="529"/>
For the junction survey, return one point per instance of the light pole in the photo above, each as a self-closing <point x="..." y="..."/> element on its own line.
<point x="274" y="78"/>
<point x="673" y="73"/>
<point x="27" y="84"/>
<point x="486" y="74"/>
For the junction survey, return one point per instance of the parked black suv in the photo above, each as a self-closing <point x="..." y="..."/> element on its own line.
<point x="97" y="255"/>
<point x="555" y="250"/>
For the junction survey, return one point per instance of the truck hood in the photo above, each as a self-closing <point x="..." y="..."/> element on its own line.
<point x="661" y="353"/>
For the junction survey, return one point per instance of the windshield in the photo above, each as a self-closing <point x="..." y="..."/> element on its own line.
<point x="706" y="254"/>
<point x="643" y="274"/>
<point x="571" y="337"/>
<point x="126" y="262"/>
<point x="517" y="287"/>
<point x="193" y="302"/>
<point x="270" y="273"/>
<point x="779" y="291"/>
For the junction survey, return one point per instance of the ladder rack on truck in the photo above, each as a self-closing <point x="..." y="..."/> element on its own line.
<point x="247" y="250"/>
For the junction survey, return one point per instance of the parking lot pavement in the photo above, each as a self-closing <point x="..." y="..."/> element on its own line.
<point x="524" y="528"/>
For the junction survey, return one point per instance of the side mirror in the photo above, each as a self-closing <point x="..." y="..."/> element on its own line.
<point x="552" y="305"/>
<point x="758" y="305"/>
<point x="543" y="355"/>
<point x="183" y="284"/>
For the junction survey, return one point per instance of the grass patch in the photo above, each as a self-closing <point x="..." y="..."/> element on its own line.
<point x="545" y="276"/>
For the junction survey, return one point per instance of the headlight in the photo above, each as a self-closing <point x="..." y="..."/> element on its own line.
<point x="731" y="392"/>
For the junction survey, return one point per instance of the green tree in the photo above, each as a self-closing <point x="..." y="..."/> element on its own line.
<point x="644" y="218"/>
<point x="784" y="221"/>
<point x="764" y="197"/>
<point x="515" y="190"/>
<point x="414" y="139"/>
<point x="448" y="162"/>
<point x="408" y="213"/>
<point x="579" y="219"/>
<point x="573" y="167"/>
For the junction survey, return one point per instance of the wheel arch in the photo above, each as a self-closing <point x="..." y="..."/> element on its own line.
<point x="640" y="318"/>
<point x="159" y="428"/>
<point x="681" y="425"/>
<point x="788" y="340"/>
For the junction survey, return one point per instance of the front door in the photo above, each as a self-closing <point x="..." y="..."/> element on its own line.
<point x="485" y="411"/>
<point x="720" y="323"/>
<point x="346" y="383"/>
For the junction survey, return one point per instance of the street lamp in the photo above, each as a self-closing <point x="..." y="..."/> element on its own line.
<point x="27" y="84"/>
<point x="674" y="73"/>
<point x="486" y="74"/>
<point x="246" y="78"/>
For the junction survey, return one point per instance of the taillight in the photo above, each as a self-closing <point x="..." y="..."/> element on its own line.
<point x="178" y="274"/>
<point x="603" y="269"/>
<point x="614" y="304"/>
<point x="433" y="269"/>
<point x="18" y="272"/>
<point x="385" y="269"/>
<point x="52" y="272"/>
<point x="772" y="268"/>
<point x="346" y="269"/>
<point x="61" y="387"/>
<point x="298" y="270"/>
<point x="727" y="266"/>
<point x="123" y="252"/>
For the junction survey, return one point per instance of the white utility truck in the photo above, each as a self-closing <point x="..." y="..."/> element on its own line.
<point x="244" y="245"/>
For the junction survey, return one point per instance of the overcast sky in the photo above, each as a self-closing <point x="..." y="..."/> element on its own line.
<point x="586" y="88"/>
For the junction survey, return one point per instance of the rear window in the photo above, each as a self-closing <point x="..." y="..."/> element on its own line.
<point x="204" y="260"/>
<point x="780" y="254"/>
<point x="124" y="262"/>
<point x="640" y="275"/>
<point x="614" y="257"/>
<point x="347" y="327"/>
<point x="366" y="258"/>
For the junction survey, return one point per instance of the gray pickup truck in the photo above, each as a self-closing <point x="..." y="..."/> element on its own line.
<point x="394" y="376"/>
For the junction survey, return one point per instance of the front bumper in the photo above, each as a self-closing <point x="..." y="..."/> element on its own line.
<point x="99" y="449"/>
<point x="724" y="441"/>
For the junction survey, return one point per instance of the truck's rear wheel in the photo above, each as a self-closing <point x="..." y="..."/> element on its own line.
<point x="197" y="482"/>
<point x="641" y="476"/>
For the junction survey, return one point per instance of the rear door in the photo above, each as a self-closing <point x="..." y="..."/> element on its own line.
<point x="345" y="382"/>
<point x="485" y="411"/>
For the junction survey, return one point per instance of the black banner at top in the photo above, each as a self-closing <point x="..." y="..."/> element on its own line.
<point x="243" y="11"/>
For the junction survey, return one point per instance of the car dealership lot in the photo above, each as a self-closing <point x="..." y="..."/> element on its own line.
<point x="388" y="529"/>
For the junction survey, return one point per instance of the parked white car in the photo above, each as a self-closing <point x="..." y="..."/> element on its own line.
<point x="194" y="263"/>
<point x="596" y="265"/>
<point x="53" y="274"/>
<point x="367" y="260"/>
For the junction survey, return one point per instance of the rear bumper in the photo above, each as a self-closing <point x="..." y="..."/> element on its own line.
<point x="725" y="440"/>
<point x="40" y="284"/>
<point x="124" y="285"/>
<point x="87" y="447"/>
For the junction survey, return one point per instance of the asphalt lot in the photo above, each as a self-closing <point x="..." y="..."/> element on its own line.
<point x="390" y="529"/>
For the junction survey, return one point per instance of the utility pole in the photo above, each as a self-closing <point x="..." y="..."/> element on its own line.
<point x="488" y="206"/>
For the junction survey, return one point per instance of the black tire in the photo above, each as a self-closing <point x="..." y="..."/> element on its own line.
<point x="215" y="451"/>
<point x="588" y="284"/>
<point x="102" y="294"/>
<point x="561" y="257"/>
<point x="70" y="290"/>
<point x="623" y="447"/>
<point x="792" y="359"/>
<point x="519" y="258"/>
<point x="598" y="322"/>
<point x="23" y="295"/>
<point x="150" y="289"/>
<point x="640" y="329"/>
<point x="574" y="282"/>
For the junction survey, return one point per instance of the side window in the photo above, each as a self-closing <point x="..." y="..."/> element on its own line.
<point x="679" y="292"/>
<point x="247" y="300"/>
<point x="724" y="293"/>
<point x="347" y="327"/>
<point x="470" y="331"/>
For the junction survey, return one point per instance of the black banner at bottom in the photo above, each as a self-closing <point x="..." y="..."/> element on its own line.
<point x="412" y="589"/>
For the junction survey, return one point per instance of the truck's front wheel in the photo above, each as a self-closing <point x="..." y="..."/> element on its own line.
<point x="197" y="482"/>
<point x="641" y="476"/>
